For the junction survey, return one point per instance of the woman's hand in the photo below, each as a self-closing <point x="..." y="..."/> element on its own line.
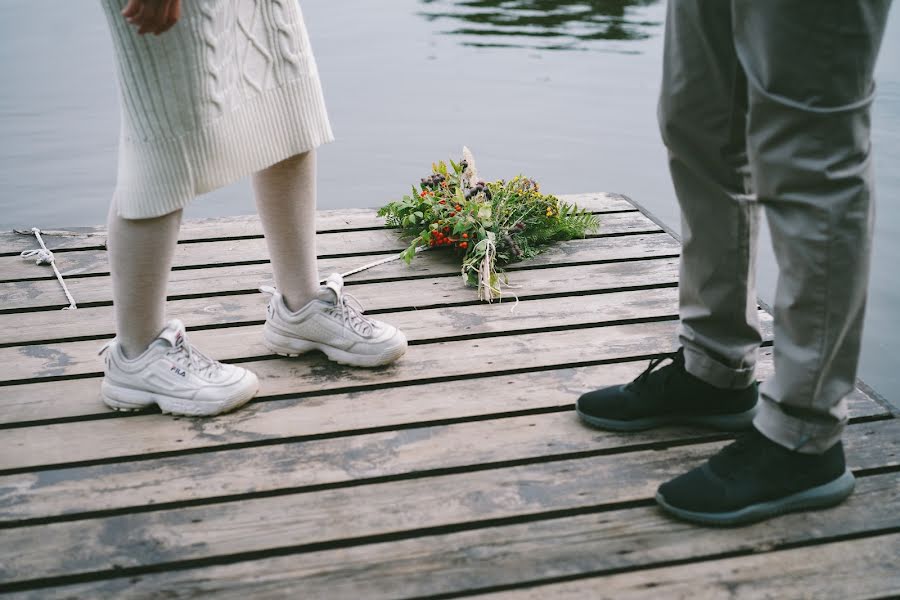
<point x="152" y="16"/>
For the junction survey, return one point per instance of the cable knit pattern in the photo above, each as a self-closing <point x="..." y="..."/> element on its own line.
<point x="230" y="90"/>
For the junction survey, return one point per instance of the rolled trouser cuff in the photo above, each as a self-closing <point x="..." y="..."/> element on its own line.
<point x="799" y="435"/>
<point x="715" y="373"/>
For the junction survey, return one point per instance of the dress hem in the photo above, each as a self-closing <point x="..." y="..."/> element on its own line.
<point x="161" y="176"/>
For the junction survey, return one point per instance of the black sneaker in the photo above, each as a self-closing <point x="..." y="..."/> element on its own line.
<point x="668" y="395"/>
<point x="754" y="478"/>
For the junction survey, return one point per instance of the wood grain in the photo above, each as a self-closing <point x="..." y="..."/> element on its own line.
<point x="461" y="469"/>
<point x="847" y="570"/>
<point x="576" y="546"/>
<point x="248" y="225"/>
<point x="444" y="360"/>
<point x="47" y="293"/>
<point x="78" y="263"/>
<point x="281" y="521"/>
<point x="298" y="463"/>
<point x="245" y="342"/>
<point x="22" y="328"/>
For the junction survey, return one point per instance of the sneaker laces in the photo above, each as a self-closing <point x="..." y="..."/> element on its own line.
<point x="350" y="310"/>
<point x="182" y="353"/>
<point x="188" y="355"/>
<point x="658" y="379"/>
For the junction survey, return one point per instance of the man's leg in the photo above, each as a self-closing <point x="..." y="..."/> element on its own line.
<point x="809" y="71"/>
<point x="702" y="119"/>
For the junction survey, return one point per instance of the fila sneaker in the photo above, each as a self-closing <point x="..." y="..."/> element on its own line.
<point x="176" y="377"/>
<point x="331" y="324"/>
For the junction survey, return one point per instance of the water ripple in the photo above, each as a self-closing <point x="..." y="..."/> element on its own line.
<point x="543" y="24"/>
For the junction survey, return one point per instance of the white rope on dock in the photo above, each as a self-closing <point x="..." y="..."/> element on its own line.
<point x="376" y="263"/>
<point x="43" y="256"/>
<point x="394" y="257"/>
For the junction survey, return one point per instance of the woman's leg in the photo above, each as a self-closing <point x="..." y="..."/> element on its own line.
<point x="286" y="199"/>
<point x="140" y="258"/>
<point x="151" y="361"/>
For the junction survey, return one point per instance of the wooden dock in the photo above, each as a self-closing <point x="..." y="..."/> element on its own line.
<point x="460" y="471"/>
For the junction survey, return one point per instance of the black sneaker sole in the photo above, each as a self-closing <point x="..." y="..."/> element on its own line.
<point x="828" y="494"/>
<point x="727" y="422"/>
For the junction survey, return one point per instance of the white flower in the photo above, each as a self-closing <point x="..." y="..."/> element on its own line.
<point x="470" y="174"/>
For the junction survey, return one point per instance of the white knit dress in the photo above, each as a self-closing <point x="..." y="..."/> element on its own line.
<point x="231" y="89"/>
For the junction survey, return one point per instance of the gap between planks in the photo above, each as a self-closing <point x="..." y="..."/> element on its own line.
<point x="569" y="557"/>
<point x="21" y="364"/>
<point x="414" y="506"/>
<point x="45" y="294"/>
<point x="854" y="568"/>
<point x="292" y="462"/>
<point x="78" y="263"/>
<point x="442" y="360"/>
<point x="641" y="263"/>
<point x="241" y="226"/>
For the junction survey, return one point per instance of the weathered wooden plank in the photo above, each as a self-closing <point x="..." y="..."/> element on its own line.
<point x="21" y="296"/>
<point x="845" y="570"/>
<point x="233" y="343"/>
<point x="48" y="293"/>
<point x="601" y="543"/>
<point x="360" y="218"/>
<point x="94" y="261"/>
<point x="260" y="524"/>
<point x="422" y="362"/>
<point x="19" y="328"/>
<point x="72" y="490"/>
<point x="75" y="238"/>
<point x="462" y="358"/>
<point x="248" y="225"/>
<point x="313" y="375"/>
<point x="296" y="464"/>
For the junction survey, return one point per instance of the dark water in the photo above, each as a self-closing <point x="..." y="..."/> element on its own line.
<point x="562" y="91"/>
<point x="541" y="24"/>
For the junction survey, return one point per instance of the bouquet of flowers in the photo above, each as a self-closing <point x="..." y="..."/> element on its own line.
<point x="488" y="224"/>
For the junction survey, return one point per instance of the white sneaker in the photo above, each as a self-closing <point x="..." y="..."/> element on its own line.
<point x="331" y="324"/>
<point x="175" y="376"/>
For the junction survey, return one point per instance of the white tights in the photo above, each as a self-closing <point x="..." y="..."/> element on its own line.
<point x="141" y="251"/>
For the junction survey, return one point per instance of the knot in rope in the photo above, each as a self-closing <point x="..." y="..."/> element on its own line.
<point x="43" y="256"/>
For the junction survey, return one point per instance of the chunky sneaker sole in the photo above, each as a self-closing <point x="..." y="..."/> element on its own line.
<point x="127" y="399"/>
<point x="822" y="496"/>
<point x="283" y="345"/>
<point x="724" y="422"/>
